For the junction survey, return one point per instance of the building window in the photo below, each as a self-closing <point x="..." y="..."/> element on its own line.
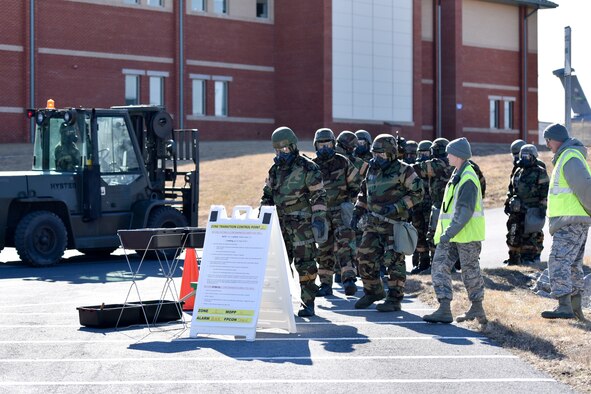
<point x="220" y="6"/>
<point x="495" y="113"/>
<point x="262" y="8"/>
<point x="198" y="5"/>
<point x="156" y="3"/>
<point x="131" y="1"/>
<point x="508" y="112"/>
<point x="156" y="90"/>
<point x="221" y="98"/>
<point x="132" y="89"/>
<point x="198" y="97"/>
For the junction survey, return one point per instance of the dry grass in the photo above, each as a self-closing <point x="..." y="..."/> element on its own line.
<point x="560" y="348"/>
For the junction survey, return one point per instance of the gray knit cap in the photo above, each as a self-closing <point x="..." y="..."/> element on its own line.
<point x="460" y="147"/>
<point x="556" y="132"/>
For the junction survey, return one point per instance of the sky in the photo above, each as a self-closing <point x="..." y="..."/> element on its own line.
<point x="551" y="24"/>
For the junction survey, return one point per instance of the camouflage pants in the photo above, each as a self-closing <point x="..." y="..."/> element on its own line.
<point x="525" y="245"/>
<point x="377" y="246"/>
<point x="565" y="265"/>
<point x="339" y="248"/>
<point x="420" y="220"/>
<point x="299" y="242"/>
<point x="446" y="255"/>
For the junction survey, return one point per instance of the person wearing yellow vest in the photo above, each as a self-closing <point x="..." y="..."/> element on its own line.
<point x="569" y="206"/>
<point x="459" y="234"/>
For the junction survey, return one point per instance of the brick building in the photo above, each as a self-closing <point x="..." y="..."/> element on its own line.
<point x="237" y="69"/>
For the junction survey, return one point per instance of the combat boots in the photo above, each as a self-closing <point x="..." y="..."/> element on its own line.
<point x="369" y="299"/>
<point x="564" y="310"/>
<point x="390" y="305"/>
<point x="577" y="307"/>
<point x="350" y="287"/>
<point x="324" y="290"/>
<point x="441" y="315"/>
<point x="476" y="311"/>
<point x="307" y="310"/>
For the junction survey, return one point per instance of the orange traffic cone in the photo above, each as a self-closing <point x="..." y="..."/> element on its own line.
<point x="190" y="274"/>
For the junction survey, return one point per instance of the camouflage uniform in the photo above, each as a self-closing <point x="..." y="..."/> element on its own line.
<point x="341" y="181"/>
<point x="363" y="152"/>
<point x="387" y="193"/>
<point x="67" y="154"/>
<point x="420" y="220"/>
<point x="437" y="171"/>
<point x="446" y="255"/>
<point x="528" y="189"/>
<point x="566" y="270"/>
<point x="296" y="188"/>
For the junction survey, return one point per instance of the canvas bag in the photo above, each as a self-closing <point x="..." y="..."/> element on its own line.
<point x="405" y="238"/>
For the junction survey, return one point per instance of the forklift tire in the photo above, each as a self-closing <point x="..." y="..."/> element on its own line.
<point x="165" y="217"/>
<point x="41" y="239"/>
<point x="98" y="252"/>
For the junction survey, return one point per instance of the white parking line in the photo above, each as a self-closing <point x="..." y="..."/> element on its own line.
<point x="252" y="358"/>
<point x="230" y="339"/>
<point x="270" y="382"/>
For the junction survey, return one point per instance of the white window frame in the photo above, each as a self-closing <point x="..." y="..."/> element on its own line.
<point x="128" y="88"/>
<point x="199" y="102"/>
<point x="266" y="6"/>
<point x="224" y="4"/>
<point x="221" y="97"/>
<point x="201" y="5"/>
<point x="509" y="112"/>
<point x="158" y="3"/>
<point x="156" y="90"/>
<point x="495" y="112"/>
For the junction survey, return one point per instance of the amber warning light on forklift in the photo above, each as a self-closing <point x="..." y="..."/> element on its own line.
<point x="50" y="104"/>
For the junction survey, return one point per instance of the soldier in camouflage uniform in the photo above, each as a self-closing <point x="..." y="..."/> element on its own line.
<point x="389" y="190"/>
<point x="569" y="208"/>
<point x="528" y="189"/>
<point x="341" y="181"/>
<point x="410" y="152"/>
<point x="437" y="171"/>
<point x="294" y="185"/>
<point x="363" y="144"/>
<point x="347" y="144"/>
<point x="67" y="154"/>
<point x="459" y="234"/>
<point x="420" y="216"/>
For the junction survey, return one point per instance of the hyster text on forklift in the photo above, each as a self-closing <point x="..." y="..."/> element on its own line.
<point x="96" y="171"/>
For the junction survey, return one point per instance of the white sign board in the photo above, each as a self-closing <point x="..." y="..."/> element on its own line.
<point x="244" y="280"/>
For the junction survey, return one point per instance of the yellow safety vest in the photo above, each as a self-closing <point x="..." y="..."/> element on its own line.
<point x="561" y="199"/>
<point x="474" y="229"/>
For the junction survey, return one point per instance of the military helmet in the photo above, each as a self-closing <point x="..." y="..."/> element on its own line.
<point x="411" y="147"/>
<point x="323" y="134"/>
<point x="516" y="146"/>
<point x="424" y="145"/>
<point x="347" y="139"/>
<point x="384" y="143"/>
<point x="284" y="136"/>
<point x="363" y="135"/>
<point x="529" y="149"/>
<point x="438" y="147"/>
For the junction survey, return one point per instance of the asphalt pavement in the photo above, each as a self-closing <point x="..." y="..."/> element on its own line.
<point x="43" y="347"/>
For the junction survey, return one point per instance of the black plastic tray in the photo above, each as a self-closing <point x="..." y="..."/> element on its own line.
<point x="152" y="238"/>
<point x="195" y="237"/>
<point x="107" y="316"/>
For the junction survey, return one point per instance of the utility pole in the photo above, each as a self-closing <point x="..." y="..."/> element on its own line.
<point x="567" y="78"/>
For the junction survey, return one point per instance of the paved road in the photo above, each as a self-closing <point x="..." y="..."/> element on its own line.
<point x="494" y="248"/>
<point x="43" y="348"/>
